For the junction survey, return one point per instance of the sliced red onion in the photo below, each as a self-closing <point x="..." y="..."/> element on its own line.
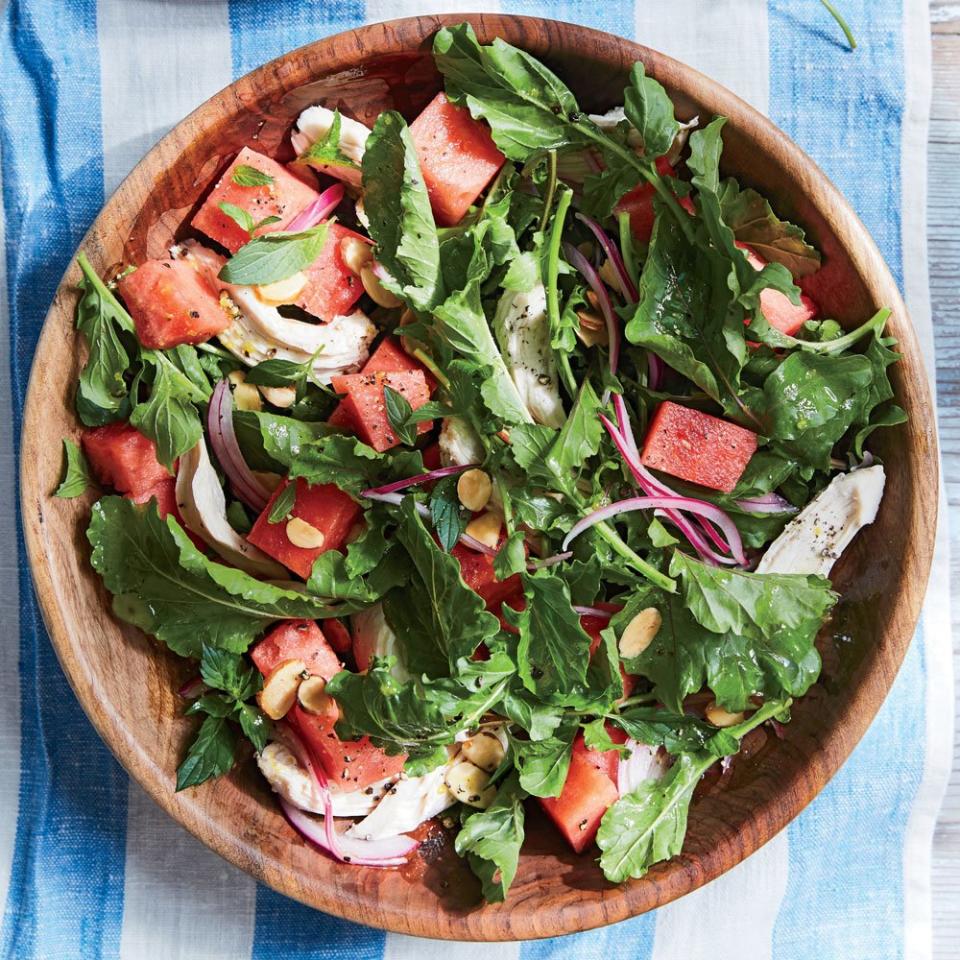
<point x="192" y="688"/>
<point x="655" y="370"/>
<point x="768" y="503"/>
<point x="697" y="507"/>
<point x="319" y="210"/>
<point x="626" y="429"/>
<point x="223" y="439"/>
<point x="639" y="765"/>
<point x="593" y="612"/>
<point x="474" y="544"/>
<point x="549" y="561"/>
<point x="653" y="487"/>
<point x="388" y="852"/>
<point x="418" y="479"/>
<point x="627" y="289"/>
<point x="583" y="265"/>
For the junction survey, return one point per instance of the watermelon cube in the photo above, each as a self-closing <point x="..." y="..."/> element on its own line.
<point x="349" y="764"/>
<point x="123" y="458"/>
<point x="389" y="357"/>
<point x="172" y="303"/>
<point x="284" y="197"/>
<point x="477" y="572"/>
<point x="332" y="287"/>
<point x="638" y="203"/>
<point x="297" y="640"/>
<point x="697" y="447"/>
<point x="323" y="506"/>
<point x="586" y="796"/>
<point x="776" y="307"/>
<point x="365" y="406"/>
<point x="458" y="158"/>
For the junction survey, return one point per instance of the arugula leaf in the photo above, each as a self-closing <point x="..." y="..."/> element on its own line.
<point x="579" y="438"/>
<point x="281" y="507"/>
<point x="878" y="394"/>
<point x="169" y="417"/>
<point x="811" y="401"/>
<point x="330" y="577"/>
<point x="211" y="754"/>
<point x="491" y="839"/>
<point x="522" y="708"/>
<point x="401" y="219"/>
<point x="542" y="764"/>
<point x="446" y="514"/>
<point x="417" y="716"/>
<point x="649" y="824"/>
<point x="178" y="595"/>
<point x="753" y="222"/>
<point x="102" y="390"/>
<point x="441" y="621"/>
<point x="246" y="176"/>
<point x="554" y="649"/>
<point x="274" y="256"/>
<point x="271" y="441"/>
<point x="326" y="152"/>
<point x="399" y="413"/>
<point x="76" y="473"/>
<point x="675" y="732"/>
<point x="527" y="106"/>
<point x="350" y="464"/>
<point x="647" y="106"/>
<point x="596" y="737"/>
<point x="511" y="558"/>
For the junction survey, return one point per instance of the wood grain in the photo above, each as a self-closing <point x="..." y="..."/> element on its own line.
<point x="943" y="236"/>
<point x="125" y="682"/>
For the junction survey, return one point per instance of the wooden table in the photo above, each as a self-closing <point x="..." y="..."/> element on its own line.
<point x="943" y="232"/>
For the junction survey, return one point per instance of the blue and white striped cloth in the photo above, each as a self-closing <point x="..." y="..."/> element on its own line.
<point x="89" y="867"/>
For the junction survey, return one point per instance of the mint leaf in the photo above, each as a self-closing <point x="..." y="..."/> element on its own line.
<point x="326" y="152"/>
<point x="211" y="754"/>
<point x="274" y="256"/>
<point x="176" y="593"/>
<point x="238" y="215"/>
<point x="446" y="514"/>
<point x="246" y="176"/>
<point x="399" y="413"/>
<point x="255" y="725"/>
<point x="491" y="839"/>
<point x="281" y="507"/>
<point x="229" y="672"/>
<point x="76" y="474"/>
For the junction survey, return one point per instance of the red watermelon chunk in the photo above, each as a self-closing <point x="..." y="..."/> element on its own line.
<point x="323" y="506"/>
<point x="338" y="636"/>
<point x="638" y="203"/>
<point x="123" y="458"/>
<point x="349" y="764"/>
<point x="586" y="796"/>
<point x="332" y="287"/>
<point x="389" y="357"/>
<point x="171" y="303"/>
<point x="365" y="406"/>
<point x="285" y="197"/>
<point x="776" y="307"/>
<point x="697" y="447"/>
<point x="458" y="158"/>
<point x="477" y="572"/>
<point x="297" y="640"/>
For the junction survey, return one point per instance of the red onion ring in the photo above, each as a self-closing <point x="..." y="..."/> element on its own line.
<point x="698" y="507"/>
<point x="418" y="479"/>
<point x="593" y="612"/>
<point x="389" y="852"/>
<point x="653" y="487"/>
<point x="192" y="689"/>
<point x="320" y="209"/>
<point x="223" y="439"/>
<point x="627" y="289"/>
<point x="769" y="503"/>
<point x="549" y="561"/>
<point x="583" y="265"/>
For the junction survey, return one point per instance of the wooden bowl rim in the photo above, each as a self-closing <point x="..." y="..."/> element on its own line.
<point x="505" y="921"/>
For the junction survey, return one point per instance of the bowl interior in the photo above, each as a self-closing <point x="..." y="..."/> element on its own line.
<point x="126" y="682"/>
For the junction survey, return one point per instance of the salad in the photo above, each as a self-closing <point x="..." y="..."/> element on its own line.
<point x="485" y="467"/>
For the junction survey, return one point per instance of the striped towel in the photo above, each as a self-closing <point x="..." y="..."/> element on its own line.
<point x="89" y="867"/>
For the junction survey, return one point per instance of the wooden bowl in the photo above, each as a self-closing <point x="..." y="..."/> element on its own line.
<point x="126" y="682"/>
